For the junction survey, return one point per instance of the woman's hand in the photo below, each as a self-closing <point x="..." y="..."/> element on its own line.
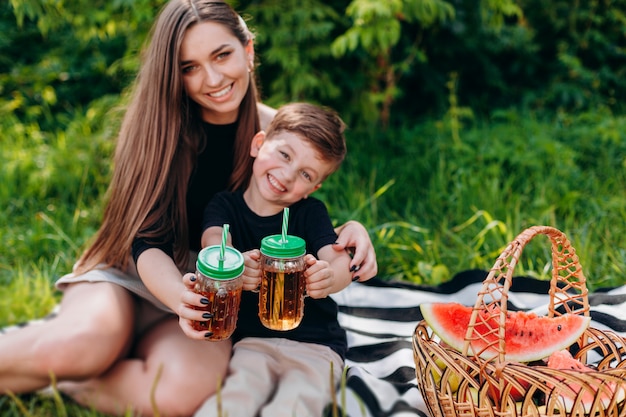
<point x="353" y="237"/>
<point x="187" y="314"/>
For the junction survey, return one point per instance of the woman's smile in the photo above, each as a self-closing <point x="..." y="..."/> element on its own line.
<point x="222" y="92"/>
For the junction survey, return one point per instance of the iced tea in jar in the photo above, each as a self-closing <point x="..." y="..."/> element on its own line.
<point x="219" y="280"/>
<point x="283" y="285"/>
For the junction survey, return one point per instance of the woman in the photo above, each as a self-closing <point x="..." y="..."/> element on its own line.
<point x="116" y="342"/>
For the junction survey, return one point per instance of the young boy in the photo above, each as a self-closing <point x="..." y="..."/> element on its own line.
<point x="285" y="373"/>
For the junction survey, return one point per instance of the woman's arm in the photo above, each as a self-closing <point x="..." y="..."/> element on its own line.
<point x="266" y="114"/>
<point x="161" y="276"/>
<point x="353" y="237"/>
<point x="163" y="279"/>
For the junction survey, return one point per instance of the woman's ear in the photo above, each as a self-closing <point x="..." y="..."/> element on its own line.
<point x="250" y="54"/>
<point x="257" y="142"/>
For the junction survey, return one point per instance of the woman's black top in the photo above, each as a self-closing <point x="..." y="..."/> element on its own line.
<point x="212" y="170"/>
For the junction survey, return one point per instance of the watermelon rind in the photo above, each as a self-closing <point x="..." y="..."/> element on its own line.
<point x="528" y="337"/>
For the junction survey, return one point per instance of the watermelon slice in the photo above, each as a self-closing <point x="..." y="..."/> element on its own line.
<point x="563" y="360"/>
<point x="528" y="337"/>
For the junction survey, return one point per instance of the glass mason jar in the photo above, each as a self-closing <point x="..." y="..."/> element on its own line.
<point x="283" y="285"/>
<point x="219" y="280"/>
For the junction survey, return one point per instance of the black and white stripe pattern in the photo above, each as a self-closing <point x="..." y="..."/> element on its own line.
<point x="34" y="322"/>
<point x="380" y="318"/>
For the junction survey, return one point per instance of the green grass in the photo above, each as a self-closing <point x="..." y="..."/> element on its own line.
<point x="435" y="208"/>
<point x="437" y="198"/>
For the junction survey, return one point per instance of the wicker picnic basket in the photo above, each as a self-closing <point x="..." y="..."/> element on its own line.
<point x="455" y="383"/>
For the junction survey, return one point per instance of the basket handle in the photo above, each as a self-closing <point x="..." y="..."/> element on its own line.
<point x="567" y="275"/>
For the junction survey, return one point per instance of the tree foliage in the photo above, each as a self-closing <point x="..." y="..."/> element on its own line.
<point x="77" y="52"/>
<point x="377" y="62"/>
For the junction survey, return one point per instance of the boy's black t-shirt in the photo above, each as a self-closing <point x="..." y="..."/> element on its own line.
<point x="309" y="220"/>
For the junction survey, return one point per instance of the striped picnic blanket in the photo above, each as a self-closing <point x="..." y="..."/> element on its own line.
<point x="380" y="318"/>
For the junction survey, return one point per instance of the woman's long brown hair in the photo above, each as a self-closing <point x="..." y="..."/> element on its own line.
<point x="159" y="139"/>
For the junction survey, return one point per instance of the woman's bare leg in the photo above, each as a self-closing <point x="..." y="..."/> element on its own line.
<point x="187" y="370"/>
<point x="92" y="330"/>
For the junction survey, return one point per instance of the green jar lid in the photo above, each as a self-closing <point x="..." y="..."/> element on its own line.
<point x="210" y="265"/>
<point x="276" y="247"/>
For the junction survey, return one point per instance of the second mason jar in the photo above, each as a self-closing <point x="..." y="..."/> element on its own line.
<point x="283" y="284"/>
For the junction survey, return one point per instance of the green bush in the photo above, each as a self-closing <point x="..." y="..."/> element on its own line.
<point x="527" y="54"/>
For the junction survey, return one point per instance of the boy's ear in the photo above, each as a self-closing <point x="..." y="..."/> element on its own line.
<point x="257" y="142"/>
<point x="314" y="189"/>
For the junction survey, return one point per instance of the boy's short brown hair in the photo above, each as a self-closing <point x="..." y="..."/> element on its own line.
<point x="320" y="126"/>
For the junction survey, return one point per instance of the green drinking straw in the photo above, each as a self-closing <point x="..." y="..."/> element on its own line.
<point x="223" y="246"/>
<point x="285" y="222"/>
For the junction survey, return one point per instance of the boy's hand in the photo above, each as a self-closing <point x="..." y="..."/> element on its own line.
<point x="252" y="270"/>
<point x="319" y="277"/>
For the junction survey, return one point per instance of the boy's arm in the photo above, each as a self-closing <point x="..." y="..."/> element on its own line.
<point x="252" y="272"/>
<point x="329" y="274"/>
<point x="213" y="236"/>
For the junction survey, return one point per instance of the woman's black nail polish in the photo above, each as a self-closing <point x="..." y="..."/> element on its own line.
<point x="353" y="268"/>
<point x="355" y="278"/>
<point x="207" y="316"/>
<point x="204" y="301"/>
<point x="192" y="279"/>
<point x="208" y="334"/>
